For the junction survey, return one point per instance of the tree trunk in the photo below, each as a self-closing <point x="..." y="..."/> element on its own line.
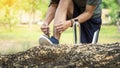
<point x="118" y="25"/>
<point x="119" y="1"/>
<point x="65" y="56"/>
<point x="32" y="18"/>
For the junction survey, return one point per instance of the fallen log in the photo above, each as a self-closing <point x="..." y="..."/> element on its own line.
<point x="65" y="56"/>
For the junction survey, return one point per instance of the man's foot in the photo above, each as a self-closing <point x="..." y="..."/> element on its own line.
<point x="45" y="40"/>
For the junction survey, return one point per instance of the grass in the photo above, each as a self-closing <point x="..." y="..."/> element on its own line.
<point x="23" y="38"/>
<point x="109" y="34"/>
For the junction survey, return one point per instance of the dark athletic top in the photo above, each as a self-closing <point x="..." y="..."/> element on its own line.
<point x="81" y="4"/>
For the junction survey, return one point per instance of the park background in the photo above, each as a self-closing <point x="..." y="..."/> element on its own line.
<point x="20" y="24"/>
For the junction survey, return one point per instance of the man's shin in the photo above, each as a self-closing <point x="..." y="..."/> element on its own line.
<point x="56" y="34"/>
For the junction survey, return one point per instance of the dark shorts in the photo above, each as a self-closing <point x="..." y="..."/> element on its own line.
<point x="89" y="27"/>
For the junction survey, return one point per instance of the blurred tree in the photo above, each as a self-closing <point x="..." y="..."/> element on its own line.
<point x="114" y="6"/>
<point x="7" y="14"/>
<point x="43" y="7"/>
<point x="119" y="1"/>
<point x="9" y="10"/>
<point x="30" y="6"/>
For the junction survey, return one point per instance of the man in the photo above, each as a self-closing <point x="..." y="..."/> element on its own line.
<point x="64" y="12"/>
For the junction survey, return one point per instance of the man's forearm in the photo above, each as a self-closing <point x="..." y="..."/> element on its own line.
<point x="87" y="14"/>
<point x="60" y="16"/>
<point x="84" y="17"/>
<point x="50" y="13"/>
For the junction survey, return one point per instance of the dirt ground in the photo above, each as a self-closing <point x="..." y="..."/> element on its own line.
<point x="65" y="56"/>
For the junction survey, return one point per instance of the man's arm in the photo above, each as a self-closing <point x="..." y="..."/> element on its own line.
<point x="87" y="14"/>
<point x="50" y="13"/>
<point x="49" y="17"/>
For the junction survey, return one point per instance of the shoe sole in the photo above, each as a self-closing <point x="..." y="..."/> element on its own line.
<point x="44" y="41"/>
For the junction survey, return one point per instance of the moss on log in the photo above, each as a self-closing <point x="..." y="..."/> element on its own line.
<point x="65" y="56"/>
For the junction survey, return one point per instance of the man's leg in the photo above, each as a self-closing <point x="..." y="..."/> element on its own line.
<point x="65" y="9"/>
<point x="89" y="28"/>
<point x="61" y="14"/>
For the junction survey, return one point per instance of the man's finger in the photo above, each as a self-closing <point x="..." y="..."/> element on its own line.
<point x="57" y="25"/>
<point x="60" y="28"/>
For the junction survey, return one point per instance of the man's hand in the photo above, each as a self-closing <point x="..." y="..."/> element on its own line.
<point x="62" y="26"/>
<point x="45" y="29"/>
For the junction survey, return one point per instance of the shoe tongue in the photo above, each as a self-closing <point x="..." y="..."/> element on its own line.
<point x="54" y="40"/>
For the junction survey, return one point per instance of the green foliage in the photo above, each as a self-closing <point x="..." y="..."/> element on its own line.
<point x="114" y="6"/>
<point x="33" y="5"/>
<point x="7" y="16"/>
<point x="43" y="7"/>
<point x="9" y="10"/>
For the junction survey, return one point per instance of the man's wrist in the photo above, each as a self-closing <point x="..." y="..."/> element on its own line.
<point x="72" y="21"/>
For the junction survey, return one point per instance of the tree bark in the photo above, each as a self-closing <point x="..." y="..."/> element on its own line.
<point x="65" y="56"/>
